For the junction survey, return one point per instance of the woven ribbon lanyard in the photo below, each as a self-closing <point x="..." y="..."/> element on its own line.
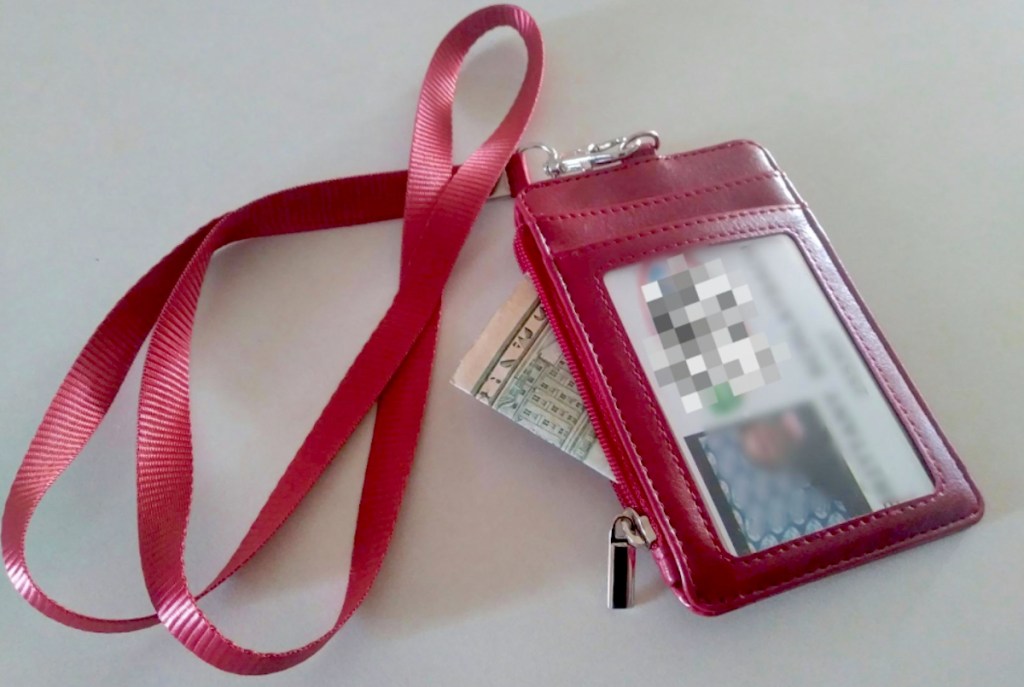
<point x="439" y="204"/>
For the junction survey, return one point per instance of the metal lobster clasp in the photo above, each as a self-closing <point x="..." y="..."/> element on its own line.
<point x="595" y="154"/>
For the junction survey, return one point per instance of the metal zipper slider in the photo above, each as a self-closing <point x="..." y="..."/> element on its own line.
<point x="630" y="531"/>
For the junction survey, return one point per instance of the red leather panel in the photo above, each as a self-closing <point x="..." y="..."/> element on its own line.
<point x="572" y="231"/>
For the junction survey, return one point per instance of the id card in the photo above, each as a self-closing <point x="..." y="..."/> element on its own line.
<point x="772" y="407"/>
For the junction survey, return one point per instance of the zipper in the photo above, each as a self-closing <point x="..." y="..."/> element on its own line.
<point x="629" y="531"/>
<point x="626" y="486"/>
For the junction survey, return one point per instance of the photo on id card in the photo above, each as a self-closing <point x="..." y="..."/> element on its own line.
<point x="773" y="409"/>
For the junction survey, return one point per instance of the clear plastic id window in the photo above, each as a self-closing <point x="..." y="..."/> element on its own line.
<point x="773" y="409"/>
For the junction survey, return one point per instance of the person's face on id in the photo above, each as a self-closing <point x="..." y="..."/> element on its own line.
<point x="768" y="443"/>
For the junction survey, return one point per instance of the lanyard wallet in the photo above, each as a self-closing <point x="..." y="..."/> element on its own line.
<point x="761" y="431"/>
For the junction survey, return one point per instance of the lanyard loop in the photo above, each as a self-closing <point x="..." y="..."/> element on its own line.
<point x="439" y="205"/>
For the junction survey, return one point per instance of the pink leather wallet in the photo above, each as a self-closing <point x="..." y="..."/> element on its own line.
<point x="761" y="430"/>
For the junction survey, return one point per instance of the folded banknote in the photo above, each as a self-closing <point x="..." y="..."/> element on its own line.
<point x="517" y="368"/>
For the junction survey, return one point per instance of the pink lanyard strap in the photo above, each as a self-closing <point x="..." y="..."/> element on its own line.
<point x="392" y="369"/>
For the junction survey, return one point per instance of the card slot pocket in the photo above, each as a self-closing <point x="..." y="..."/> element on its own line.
<point x="705" y="186"/>
<point x="649" y="175"/>
<point x="574" y="229"/>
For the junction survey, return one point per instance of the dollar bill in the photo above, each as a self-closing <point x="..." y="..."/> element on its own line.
<point x="517" y="368"/>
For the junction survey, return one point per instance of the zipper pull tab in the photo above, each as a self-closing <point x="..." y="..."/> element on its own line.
<point x="630" y="531"/>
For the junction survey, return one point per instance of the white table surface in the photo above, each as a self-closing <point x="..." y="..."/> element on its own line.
<point x="124" y="127"/>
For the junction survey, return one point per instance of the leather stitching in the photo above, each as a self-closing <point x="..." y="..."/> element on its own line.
<point x="660" y="200"/>
<point x="661" y="229"/>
